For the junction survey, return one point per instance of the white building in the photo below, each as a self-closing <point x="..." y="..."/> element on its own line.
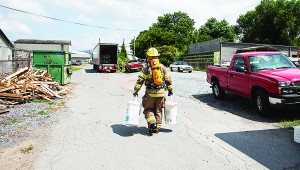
<point x="5" y="54"/>
<point x="82" y="56"/>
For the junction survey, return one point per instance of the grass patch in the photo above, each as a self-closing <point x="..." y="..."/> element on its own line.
<point x="27" y="149"/>
<point x="75" y="68"/>
<point x="288" y="123"/>
<point x="43" y="101"/>
<point x="10" y="122"/>
<point x="199" y="69"/>
<point x="43" y="113"/>
<point x="62" y="104"/>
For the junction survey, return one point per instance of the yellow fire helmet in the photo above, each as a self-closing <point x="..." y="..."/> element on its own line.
<point x="152" y="52"/>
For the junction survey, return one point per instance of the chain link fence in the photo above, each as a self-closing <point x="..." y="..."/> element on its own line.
<point x="21" y="59"/>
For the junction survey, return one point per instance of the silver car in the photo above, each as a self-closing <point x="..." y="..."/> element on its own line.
<point x="181" y="66"/>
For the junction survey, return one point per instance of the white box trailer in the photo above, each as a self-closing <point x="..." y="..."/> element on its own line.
<point x="105" y="57"/>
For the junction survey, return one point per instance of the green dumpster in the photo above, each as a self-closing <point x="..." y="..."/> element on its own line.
<point x="57" y="64"/>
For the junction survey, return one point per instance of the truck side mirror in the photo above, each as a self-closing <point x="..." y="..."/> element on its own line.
<point x="241" y="69"/>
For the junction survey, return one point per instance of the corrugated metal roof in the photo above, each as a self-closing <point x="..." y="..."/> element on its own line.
<point x="33" y="41"/>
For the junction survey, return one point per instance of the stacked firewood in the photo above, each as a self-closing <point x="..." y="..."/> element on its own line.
<point x="29" y="84"/>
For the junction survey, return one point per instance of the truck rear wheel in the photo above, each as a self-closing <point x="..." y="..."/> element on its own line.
<point x="218" y="93"/>
<point x="262" y="103"/>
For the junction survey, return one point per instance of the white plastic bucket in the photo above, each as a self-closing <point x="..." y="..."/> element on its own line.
<point x="170" y="114"/>
<point x="133" y="113"/>
<point x="297" y="134"/>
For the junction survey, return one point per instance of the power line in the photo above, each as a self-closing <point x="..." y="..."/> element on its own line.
<point x="57" y="19"/>
<point x="241" y="9"/>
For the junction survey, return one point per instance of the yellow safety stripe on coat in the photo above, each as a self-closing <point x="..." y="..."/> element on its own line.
<point x="167" y="75"/>
<point x="170" y="87"/>
<point x="143" y="76"/>
<point x="156" y="95"/>
<point x="151" y="118"/>
<point x="158" y="126"/>
<point x="138" y="86"/>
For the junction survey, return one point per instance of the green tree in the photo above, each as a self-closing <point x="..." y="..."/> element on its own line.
<point x="123" y="53"/>
<point x="168" y="54"/>
<point x="214" y="29"/>
<point x="272" y="22"/>
<point x="122" y="57"/>
<point x="171" y="30"/>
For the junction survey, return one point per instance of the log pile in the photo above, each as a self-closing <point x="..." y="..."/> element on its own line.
<point x="28" y="84"/>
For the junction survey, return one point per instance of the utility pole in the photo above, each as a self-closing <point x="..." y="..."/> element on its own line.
<point x="133" y="46"/>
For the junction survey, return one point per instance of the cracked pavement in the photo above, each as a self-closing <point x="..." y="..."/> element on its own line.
<point x="92" y="134"/>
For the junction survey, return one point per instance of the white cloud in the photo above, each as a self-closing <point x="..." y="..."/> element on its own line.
<point x="15" y="27"/>
<point x="27" y="6"/>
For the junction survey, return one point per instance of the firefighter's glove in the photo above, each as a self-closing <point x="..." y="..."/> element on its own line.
<point x="135" y="94"/>
<point x="170" y="93"/>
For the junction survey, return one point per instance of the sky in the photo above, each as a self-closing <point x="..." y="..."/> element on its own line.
<point x="111" y="21"/>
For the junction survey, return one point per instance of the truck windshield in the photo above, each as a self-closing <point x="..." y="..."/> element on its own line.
<point x="269" y="62"/>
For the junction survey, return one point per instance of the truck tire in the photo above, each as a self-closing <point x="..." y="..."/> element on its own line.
<point x="218" y="93"/>
<point x="171" y="69"/>
<point x="262" y="103"/>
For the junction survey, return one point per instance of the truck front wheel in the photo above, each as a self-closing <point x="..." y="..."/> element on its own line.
<point x="262" y="103"/>
<point x="218" y="93"/>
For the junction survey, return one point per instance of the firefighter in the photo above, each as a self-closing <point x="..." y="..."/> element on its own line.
<point x="157" y="82"/>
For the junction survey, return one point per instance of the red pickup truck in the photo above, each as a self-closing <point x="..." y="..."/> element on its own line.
<point x="269" y="78"/>
<point x="133" y="65"/>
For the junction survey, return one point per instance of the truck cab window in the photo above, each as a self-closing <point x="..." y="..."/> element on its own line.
<point x="238" y="62"/>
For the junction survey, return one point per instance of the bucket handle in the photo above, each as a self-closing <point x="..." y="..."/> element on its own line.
<point x="171" y="97"/>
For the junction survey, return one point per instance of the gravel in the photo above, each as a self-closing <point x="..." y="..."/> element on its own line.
<point x="20" y="121"/>
<point x="190" y="84"/>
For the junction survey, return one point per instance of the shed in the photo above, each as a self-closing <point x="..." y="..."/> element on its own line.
<point x="6" y="48"/>
<point x="215" y="52"/>
<point x="31" y="44"/>
<point x="24" y="47"/>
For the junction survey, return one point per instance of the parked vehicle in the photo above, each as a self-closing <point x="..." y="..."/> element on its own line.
<point x="133" y="65"/>
<point x="269" y="78"/>
<point x="105" y="57"/>
<point x="79" y="62"/>
<point x="75" y="63"/>
<point x="181" y="66"/>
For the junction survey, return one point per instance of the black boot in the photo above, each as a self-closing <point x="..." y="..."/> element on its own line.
<point x="152" y="128"/>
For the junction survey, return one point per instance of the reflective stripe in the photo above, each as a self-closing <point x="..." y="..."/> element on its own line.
<point x="138" y="86"/>
<point x="170" y="87"/>
<point x="156" y="95"/>
<point x="158" y="126"/>
<point x="151" y="118"/>
<point x="143" y="76"/>
<point x="167" y="75"/>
